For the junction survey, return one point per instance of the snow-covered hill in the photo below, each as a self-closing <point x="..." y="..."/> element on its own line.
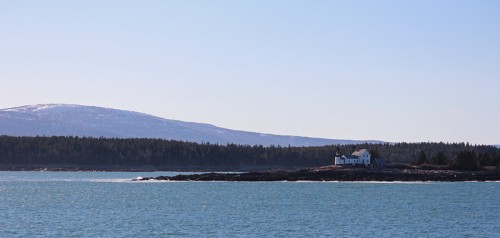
<point x="76" y="120"/>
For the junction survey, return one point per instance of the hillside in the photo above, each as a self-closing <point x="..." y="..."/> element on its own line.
<point x="77" y="120"/>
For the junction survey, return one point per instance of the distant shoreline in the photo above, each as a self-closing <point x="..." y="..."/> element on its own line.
<point x="333" y="173"/>
<point x="98" y="168"/>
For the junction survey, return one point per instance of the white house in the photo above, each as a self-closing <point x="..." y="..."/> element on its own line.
<point x="357" y="157"/>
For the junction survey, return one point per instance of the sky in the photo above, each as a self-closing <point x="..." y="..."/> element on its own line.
<point x="398" y="71"/>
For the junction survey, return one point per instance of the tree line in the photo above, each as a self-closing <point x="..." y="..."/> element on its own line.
<point x="87" y="151"/>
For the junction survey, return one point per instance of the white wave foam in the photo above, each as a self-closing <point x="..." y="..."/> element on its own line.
<point x="109" y="180"/>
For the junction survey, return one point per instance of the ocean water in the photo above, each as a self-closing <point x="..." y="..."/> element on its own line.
<point x="99" y="204"/>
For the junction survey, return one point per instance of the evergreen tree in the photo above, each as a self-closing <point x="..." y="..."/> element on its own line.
<point x="440" y="159"/>
<point x="466" y="160"/>
<point x="484" y="159"/>
<point x="374" y="153"/>
<point x="422" y="158"/>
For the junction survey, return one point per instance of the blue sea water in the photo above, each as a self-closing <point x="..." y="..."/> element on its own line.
<point x="100" y="204"/>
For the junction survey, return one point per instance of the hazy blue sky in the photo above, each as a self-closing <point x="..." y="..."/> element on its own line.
<point x="412" y="71"/>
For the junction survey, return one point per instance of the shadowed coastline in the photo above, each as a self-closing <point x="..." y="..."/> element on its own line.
<point x="334" y="173"/>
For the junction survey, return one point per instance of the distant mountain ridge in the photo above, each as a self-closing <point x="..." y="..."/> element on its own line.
<point x="92" y="121"/>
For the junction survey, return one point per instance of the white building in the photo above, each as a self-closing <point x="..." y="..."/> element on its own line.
<point x="357" y="157"/>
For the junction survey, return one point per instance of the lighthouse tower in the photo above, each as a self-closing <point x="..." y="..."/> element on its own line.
<point x="338" y="157"/>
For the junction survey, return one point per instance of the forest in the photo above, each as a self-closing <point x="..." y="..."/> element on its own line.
<point x="158" y="153"/>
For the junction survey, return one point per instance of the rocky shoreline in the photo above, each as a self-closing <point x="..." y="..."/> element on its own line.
<point x="333" y="173"/>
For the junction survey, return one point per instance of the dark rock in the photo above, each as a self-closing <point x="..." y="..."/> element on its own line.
<point x="332" y="173"/>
